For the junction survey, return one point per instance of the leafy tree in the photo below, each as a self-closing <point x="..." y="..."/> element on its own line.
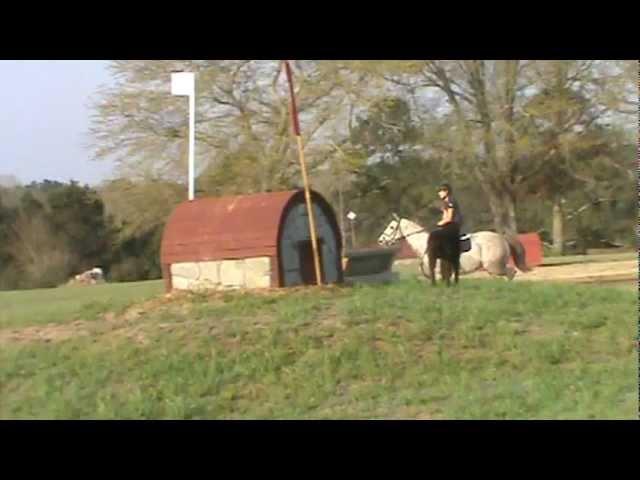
<point x="395" y="176"/>
<point x="243" y="132"/>
<point x="572" y="147"/>
<point x="55" y="231"/>
<point x="7" y="274"/>
<point x="482" y="126"/>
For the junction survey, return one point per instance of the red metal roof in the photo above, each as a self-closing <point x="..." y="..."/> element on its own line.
<point x="226" y="227"/>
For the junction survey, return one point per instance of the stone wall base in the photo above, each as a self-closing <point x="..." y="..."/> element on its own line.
<point x="222" y="274"/>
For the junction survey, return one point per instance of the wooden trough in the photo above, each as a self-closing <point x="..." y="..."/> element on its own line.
<point x="369" y="265"/>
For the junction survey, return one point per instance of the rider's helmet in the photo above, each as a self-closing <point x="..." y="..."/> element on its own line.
<point x="444" y="187"/>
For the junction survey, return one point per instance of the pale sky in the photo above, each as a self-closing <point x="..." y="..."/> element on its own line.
<point x="44" y="119"/>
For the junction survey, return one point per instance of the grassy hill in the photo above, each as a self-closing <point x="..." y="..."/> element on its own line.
<point x="487" y="349"/>
<point x="60" y="305"/>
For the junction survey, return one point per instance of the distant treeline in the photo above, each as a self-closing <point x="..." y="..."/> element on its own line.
<point x="50" y="231"/>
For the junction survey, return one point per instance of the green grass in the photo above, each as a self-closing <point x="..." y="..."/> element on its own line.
<point x="487" y="349"/>
<point x="66" y="304"/>
<point x="631" y="285"/>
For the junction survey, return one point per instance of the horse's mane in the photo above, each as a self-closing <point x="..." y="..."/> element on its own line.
<point x="413" y="224"/>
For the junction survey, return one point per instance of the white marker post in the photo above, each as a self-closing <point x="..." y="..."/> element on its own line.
<point x="352" y="217"/>
<point x="183" y="84"/>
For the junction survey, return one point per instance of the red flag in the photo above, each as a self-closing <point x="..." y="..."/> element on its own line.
<point x="294" y="109"/>
<point x="305" y="180"/>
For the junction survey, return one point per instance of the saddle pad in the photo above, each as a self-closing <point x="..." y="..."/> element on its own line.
<point x="465" y="243"/>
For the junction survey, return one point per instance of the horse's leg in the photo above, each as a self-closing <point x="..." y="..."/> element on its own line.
<point x="456" y="269"/>
<point x="499" y="267"/>
<point x="432" y="266"/>
<point x="500" y="270"/>
<point x="496" y="263"/>
<point x="423" y="266"/>
<point x="447" y="263"/>
<point x="456" y="261"/>
<point x="431" y="258"/>
<point x="453" y="258"/>
<point x="446" y="271"/>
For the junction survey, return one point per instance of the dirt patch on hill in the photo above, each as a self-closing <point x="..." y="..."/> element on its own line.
<point x="125" y="323"/>
<point x="45" y="333"/>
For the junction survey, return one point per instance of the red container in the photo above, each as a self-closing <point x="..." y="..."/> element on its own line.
<point x="533" y="248"/>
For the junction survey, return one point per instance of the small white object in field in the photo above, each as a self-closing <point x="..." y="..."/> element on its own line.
<point x="351" y="216"/>
<point x="90" y="277"/>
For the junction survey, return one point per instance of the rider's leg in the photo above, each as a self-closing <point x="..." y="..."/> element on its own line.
<point x="432" y="266"/>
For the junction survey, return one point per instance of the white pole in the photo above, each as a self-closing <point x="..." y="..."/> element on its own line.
<point x="183" y="83"/>
<point x="192" y="144"/>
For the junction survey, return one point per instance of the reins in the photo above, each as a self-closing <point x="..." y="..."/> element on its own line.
<point x="403" y="236"/>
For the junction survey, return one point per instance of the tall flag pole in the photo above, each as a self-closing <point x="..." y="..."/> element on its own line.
<point x="307" y="194"/>
<point x="183" y="84"/>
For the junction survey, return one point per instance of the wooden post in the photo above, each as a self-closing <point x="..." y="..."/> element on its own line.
<point x="305" y="179"/>
<point x="341" y="213"/>
<point x="341" y="200"/>
<point x="352" y="218"/>
<point x="353" y="234"/>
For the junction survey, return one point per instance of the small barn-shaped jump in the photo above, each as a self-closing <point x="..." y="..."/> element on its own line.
<point x="249" y="241"/>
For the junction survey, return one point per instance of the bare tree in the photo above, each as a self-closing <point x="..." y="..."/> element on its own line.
<point x="40" y="253"/>
<point x="242" y="112"/>
<point x="487" y="126"/>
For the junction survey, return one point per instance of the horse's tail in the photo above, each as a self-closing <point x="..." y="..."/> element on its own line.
<point x="517" y="252"/>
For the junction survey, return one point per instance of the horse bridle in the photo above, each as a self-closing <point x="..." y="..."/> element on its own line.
<point x="402" y="235"/>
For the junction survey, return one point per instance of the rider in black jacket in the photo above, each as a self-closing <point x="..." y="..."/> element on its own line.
<point x="451" y="221"/>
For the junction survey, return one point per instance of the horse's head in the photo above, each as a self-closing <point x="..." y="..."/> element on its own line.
<point x="391" y="234"/>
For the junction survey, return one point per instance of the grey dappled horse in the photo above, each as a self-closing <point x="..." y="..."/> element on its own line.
<point x="489" y="250"/>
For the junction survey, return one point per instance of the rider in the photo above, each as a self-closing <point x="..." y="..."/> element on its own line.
<point x="451" y="221"/>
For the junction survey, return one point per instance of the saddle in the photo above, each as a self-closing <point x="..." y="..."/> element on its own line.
<point x="465" y="242"/>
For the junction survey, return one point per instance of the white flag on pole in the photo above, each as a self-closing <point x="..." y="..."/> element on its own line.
<point x="182" y="83"/>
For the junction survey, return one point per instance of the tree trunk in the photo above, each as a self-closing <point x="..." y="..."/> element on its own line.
<point x="496" y="211"/>
<point x="558" y="226"/>
<point x="503" y="209"/>
<point x="494" y="168"/>
<point x="511" y="226"/>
